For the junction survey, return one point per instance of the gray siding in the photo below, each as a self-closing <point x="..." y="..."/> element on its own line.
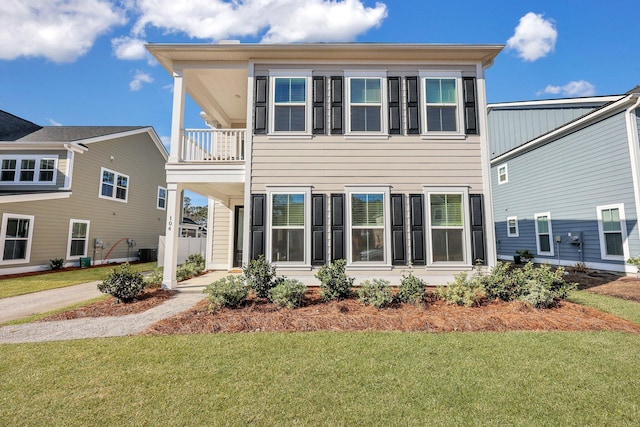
<point x="509" y="128"/>
<point x="138" y="219"/>
<point x="569" y="178"/>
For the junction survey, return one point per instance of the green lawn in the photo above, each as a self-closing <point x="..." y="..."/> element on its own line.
<point x="42" y="282"/>
<point x="547" y="378"/>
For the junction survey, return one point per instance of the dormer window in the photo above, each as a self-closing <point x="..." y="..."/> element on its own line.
<point x="28" y="169"/>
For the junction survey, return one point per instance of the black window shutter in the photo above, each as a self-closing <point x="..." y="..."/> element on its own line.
<point x="257" y="225"/>
<point x="418" y="255"/>
<point x="337" y="227"/>
<point x="394" y="105"/>
<point x="336" y="105"/>
<point x="477" y="228"/>
<point x="398" y="252"/>
<point x="260" y="106"/>
<point x="318" y="245"/>
<point x="318" y="105"/>
<point x="413" y="106"/>
<point x="470" y="110"/>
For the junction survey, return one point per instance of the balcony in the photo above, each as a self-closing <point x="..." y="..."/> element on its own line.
<point x="213" y="145"/>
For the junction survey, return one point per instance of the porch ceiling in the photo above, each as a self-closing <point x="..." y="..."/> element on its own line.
<point x="220" y="192"/>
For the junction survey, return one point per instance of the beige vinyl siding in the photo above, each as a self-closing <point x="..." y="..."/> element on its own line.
<point x="328" y="163"/>
<point x="110" y="220"/>
<point x="221" y="235"/>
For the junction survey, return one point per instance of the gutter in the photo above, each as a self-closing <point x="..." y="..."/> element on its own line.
<point x="634" y="149"/>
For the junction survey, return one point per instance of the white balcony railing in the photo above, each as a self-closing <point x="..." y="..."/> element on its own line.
<point x="213" y="145"/>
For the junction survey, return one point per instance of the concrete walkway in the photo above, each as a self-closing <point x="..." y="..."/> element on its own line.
<point x="189" y="293"/>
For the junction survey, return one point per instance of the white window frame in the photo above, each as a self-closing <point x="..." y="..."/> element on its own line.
<point x="382" y="75"/>
<point x="3" y="238"/>
<point x="623" y="231"/>
<point x="115" y="186"/>
<point x="306" y="191"/>
<point x="503" y="167"/>
<point x="36" y="172"/>
<point x="70" y="239"/>
<point x="466" y="227"/>
<point x="386" y="197"/>
<point x="538" y="234"/>
<point x="457" y="76"/>
<point x="164" y="199"/>
<point x="516" y="233"/>
<point x="291" y="74"/>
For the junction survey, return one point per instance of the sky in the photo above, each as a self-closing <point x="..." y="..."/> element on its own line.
<point x="83" y="62"/>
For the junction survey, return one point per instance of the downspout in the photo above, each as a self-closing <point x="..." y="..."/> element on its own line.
<point x="634" y="151"/>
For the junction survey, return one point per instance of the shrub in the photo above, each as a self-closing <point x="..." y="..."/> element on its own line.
<point x="122" y="283"/>
<point x="334" y="283"/>
<point x="260" y="276"/>
<point x="230" y="291"/>
<point x="538" y="295"/>
<point x="375" y="292"/>
<point x="193" y="266"/>
<point x="525" y="254"/>
<point x="505" y="284"/>
<point x="197" y="260"/>
<point x="411" y="290"/>
<point x="154" y="279"/>
<point x="288" y="293"/>
<point x="56" y="263"/>
<point x="464" y="290"/>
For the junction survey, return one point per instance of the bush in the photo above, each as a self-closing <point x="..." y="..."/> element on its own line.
<point x="464" y="290"/>
<point x="288" y="293"/>
<point x="375" y="292"/>
<point x="123" y="284"/>
<point x="411" y="290"/>
<point x="56" y="263"/>
<point x="154" y="279"/>
<point x="505" y="284"/>
<point x="539" y="296"/>
<point x="193" y="266"/>
<point x="334" y="283"/>
<point x="230" y="291"/>
<point x="197" y="260"/>
<point x="260" y="276"/>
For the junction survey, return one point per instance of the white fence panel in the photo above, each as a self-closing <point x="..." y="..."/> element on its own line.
<point x="186" y="247"/>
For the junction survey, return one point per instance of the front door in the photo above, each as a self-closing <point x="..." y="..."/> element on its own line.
<point x="238" y="236"/>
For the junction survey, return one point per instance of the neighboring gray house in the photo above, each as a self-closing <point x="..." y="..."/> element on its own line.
<point x="373" y="153"/>
<point x="75" y="192"/>
<point x="566" y="179"/>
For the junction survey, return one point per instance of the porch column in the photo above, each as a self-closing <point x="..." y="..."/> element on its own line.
<point x="174" y="191"/>
<point x="177" y="117"/>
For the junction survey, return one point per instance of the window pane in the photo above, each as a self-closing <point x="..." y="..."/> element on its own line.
<point x="365" y="119"/>
<point x="358" y="90"/>
<point x="79" y="230"/>
<point x="613" y="243"/>
<point x="289" y="119"/>
<point x="15" y="249"/>
<point x="543" y="224"/>
<point x="290" y="90"/>
<point x="545" y="243"/>
<point x="366" y="91"/>
<point x="433" y="91"/>
<point x="367" y="210"/>
<point x="122" y="181"/>
<point x="108" y="177"/>
<point x="447" y="245"/>
<point x="18" y="228"/>
<point x="288" y="210"/>
<point x="46" y="169"/>
<point x="442" y="119"/>
<point x="121" y="193"/>
<point x="367" y="244"/>
<point x="372" y="93"/>
<point x="107" y="190"/>
<point x="446" y="210"/>
<point x="288" y="245"/>
<point x="77" y="247"/>
<point x="611" y="220"/>
<point x="448" y="91"/>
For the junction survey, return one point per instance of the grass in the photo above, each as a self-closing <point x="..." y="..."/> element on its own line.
<point x="625" y="309"/>
<point x="36" y="317"/>
<point x="544" y="378"/>
<point x="42" y="282"/>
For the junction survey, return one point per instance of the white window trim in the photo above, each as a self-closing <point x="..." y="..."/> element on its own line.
<point x="623" y="230"/>
<point x="509" y="233"/>
<point x="36" y="172"/>
<point x="3" y="236"/>
<point x="457" y="75"/>
<point x="384" y="127"/>
<point x="385" y="191"/>
<point x="160" y="198"/>
<point x="506" y="174"/>
<point x="466" y="233"/>
<point x="551" y="239"/>
<point x="115" y="186"/>
<point x="86" y="246"/>
<point x="306" y="191"/>
<point x="308" y="116"/>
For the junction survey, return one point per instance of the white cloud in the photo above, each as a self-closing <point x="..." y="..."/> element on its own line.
<point x="128" y="48"/>
<point x="571" y="89"/>
<point x="138" y="80"/>
<point x="53" y="122"/>
<point x="283" y="20"/>
<point x="60" y="30"/>
<point x="534" y="37"/>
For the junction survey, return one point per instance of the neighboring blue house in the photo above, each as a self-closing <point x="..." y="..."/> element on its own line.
<point x="565" y="179"/>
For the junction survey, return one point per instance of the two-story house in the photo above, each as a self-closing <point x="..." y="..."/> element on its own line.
<point x="566" y="179"/>
<point x="78" y="193"/>
<point x="372" y="153"/>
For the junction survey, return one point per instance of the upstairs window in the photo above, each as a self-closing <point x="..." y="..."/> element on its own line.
<point x="290" y="98"/>
<point x="366" y="104"/>
<point x="162" y="198"/>
<point x="503" y="174"/>
<point x="114" y="185"/>
<point x="28" y="169"/>
<point x="442" y="102"/>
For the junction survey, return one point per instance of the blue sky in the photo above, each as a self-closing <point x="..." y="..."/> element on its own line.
<point x="81" y="62"/>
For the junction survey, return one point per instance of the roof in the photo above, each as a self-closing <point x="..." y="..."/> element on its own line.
<point x="74" y="133"/>
<point x="13" y="128"/>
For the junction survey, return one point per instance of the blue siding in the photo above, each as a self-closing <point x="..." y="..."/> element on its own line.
<point x="569" y="178"/>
